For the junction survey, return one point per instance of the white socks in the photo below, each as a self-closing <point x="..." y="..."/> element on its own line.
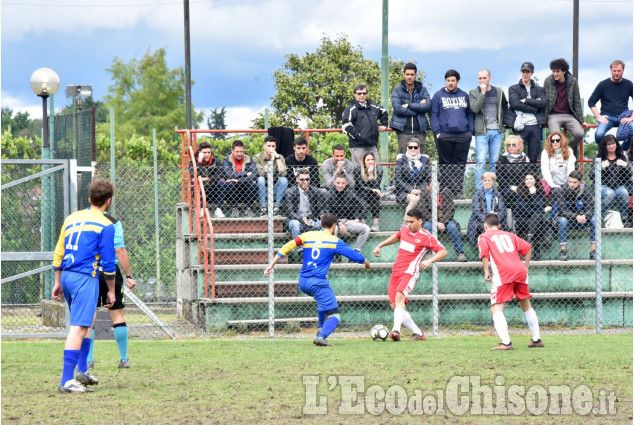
<point x="410" y="324"/>
<point x="500" y="324"/>
<point x="532" y="322"/>
<point x="399" y="316"/>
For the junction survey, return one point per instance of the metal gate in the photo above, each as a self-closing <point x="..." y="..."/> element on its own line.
<point x="36" y="197"/>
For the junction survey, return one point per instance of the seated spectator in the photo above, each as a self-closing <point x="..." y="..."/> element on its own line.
<point x="279" y="175"/>
<point x="411" y="175"/>
<point x="304" y="204"/>
<point x="338" y="164"/>
<point x="349" y="208"/>
<point x="528" y="208"/>
<point x="301" y="159"/>
<point x="624" y="130"/>
<point x="209" y="173"/>
<point x="445" y="216"/>
<point x="368" y="186"/>
<point x="617" y="173"/>
<point x="512" y="166"/>
<point x="485" y="201"/>
<point x="557" y="161"/>
<point x="573" y="207"/>
<point x="239" y="183"/>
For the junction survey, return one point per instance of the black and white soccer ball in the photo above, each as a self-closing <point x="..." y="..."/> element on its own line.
<point x="379" y="333"/>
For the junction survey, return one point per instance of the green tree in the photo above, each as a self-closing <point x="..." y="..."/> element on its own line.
<point x="20" y="123"/>
<point x="147" y="95"/>
<point x="317" y="87"/>
<point x="216" y="121"/>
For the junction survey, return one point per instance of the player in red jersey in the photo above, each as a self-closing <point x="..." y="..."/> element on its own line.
<point x="414" y="243"/>
<point x="508" y="277"/>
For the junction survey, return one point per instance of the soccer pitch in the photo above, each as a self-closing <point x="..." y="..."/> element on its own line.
<point x="452" y="379"/>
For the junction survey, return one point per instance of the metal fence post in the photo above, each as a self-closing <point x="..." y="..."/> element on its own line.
<point x="156" y="212"/>
<point x="270" y="246"/>
<point x="597" y="168"/>
<point x="435" y="269"/>
<point x="112" y="154"/>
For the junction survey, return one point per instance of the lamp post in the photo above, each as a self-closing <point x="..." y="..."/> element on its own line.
<point x="45" y="82"/>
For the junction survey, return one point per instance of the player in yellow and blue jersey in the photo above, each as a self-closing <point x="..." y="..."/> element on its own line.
<point x="319" y="249"/>
<point x="86" y="240"/>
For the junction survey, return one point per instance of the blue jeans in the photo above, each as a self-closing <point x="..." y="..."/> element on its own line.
<point x="278" y="190"/>
<point x="454" y="233"/>
<point x="620" y="194"/>
<point x="563" y="225"/>
<point x="490" y="142"/>
<point x="296" y="227"/>
<point x="602" y="128"/>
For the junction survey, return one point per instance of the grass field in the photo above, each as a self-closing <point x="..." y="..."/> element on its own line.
<point x="229" y="381"/>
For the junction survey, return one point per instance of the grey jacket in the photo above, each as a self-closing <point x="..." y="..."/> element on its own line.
<point x="477" y="101"/>
<point x="573" y="93"/>
<point x="328" y="172"/>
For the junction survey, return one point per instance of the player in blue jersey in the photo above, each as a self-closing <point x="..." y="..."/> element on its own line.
<point x="320" y="247"/>
<point x="116" y="311"/>
<point x="86" y="239"/>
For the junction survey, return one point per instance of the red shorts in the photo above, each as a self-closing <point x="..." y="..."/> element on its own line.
<point x="505" y="292"/>
<point x="401" y="282"/>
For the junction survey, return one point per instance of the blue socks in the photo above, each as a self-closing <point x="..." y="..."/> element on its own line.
<point x="329" y="326"/>
<point x="121" y="336"/>
<point x="92" y="344"/>
<point x="321" y="318"/>
<point x="70" y="361"/>
<point x="82" y="362"/>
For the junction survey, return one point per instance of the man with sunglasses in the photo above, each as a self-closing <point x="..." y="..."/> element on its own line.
<point x="305" y="206"/>
<point x="359" y="123"/>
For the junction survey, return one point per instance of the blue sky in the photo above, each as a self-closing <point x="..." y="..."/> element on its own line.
<point x="236" y="45"/>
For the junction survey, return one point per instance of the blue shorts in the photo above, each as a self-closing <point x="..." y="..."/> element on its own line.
<point x="320" y="290"/>
<point x="81" y="292"/>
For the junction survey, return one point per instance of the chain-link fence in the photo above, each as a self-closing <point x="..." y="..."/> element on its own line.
<point x="200" y="284"/>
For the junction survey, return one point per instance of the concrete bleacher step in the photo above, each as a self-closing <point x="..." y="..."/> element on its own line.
<point x="243" y="256"/>
<point x="242" y="289"/>
<point x="246" y="225"/>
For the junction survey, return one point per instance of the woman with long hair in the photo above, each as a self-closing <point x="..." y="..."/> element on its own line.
<point x="368" y="186"/>
<point x="557" y="161"/>
<point x="528" y="209"/>
<point x="512" y="165"/>
<point x="617" y="173"/>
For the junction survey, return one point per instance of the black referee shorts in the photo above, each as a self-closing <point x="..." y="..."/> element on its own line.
<point x="103" y="291"/>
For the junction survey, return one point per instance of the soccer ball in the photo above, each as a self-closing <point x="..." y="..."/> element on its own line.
<point x="379" y="333"/>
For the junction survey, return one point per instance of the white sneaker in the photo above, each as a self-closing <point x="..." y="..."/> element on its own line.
<point x="218" y="213"/>
<point x="73" y="386"/>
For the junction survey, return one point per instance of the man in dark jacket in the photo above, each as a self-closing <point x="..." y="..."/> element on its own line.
<point x="564" y="109"/>
<point x="573" y="207"/>
<point x="240" y="179"/>
<point x="359" y="123"/>
<point x="305" y="205"/>
<point x="452" y="122"/>
<point x="349" y="208"/>
<point x="209" y="173"/>
<point x="301" y="159"/>
<point x="528" y="100"/>
<point x="410" y="103"/>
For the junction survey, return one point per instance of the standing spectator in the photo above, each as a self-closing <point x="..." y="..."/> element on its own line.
<point x="349" y="209"/>
<point x="573" y="207"/>
<point x="359" y="122"/>
<point x="617" y="173"/>
<point x="305" y="205"/>
<point x="368" y="186"/>
<point x="452" y="122"/>
<point x="76" y="268"/>
<point x="485" y="201"/>
<point x="280" y="182"/>
<point x="512" y="165"/>
<point x="557" y="161"/>
<point x="411" y="176"/>
<point x="564" y="109"/>
<point x="209" y="172"/>
<point x="528" y="100"/>
<point x="240" y="180"/>
<point x="489" y="105"/>
<point x="510" y="278"/>
<point x="338" y="164"/>
<point x="445" y="216"/>
<point x="613" y="93"/>
<point x="528" y="207"/>
<point x="410" y="103"/>
<point x="301" y="159"/>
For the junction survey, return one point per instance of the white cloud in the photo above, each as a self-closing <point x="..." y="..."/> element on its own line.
<point x="20" y="105"/>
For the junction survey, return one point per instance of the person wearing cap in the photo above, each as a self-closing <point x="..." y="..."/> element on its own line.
<point x="564" y="109"/>
<point x="528" y="101"/>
